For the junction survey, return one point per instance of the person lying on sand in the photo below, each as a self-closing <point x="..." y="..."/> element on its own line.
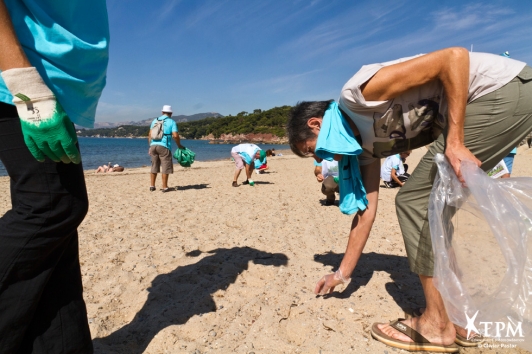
<point x="103" y="168"/>
<point x="107" y="168"/>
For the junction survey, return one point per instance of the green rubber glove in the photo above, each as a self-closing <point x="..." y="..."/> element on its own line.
<point x="46" y="127"/>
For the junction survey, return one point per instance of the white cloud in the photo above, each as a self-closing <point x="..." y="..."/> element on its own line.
<point x="349" y="27"/>
<point x="167" y="10"/>
<point x="469" y="17"/>
<point x="204" y="12"/>
<point x="279" y="84"/>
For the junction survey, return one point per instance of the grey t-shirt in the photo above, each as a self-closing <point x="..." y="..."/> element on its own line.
<point x="419" y="115"/>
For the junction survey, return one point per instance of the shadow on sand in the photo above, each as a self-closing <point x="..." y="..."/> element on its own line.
<point x="405" y="289"/>
<point x="185" y="292"/>
<point x="192" y="186"/>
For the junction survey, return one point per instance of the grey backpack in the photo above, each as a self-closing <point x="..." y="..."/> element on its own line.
<point x="157" y="132"/>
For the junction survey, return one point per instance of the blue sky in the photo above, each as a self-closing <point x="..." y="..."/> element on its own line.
<point x="240" y="55"/>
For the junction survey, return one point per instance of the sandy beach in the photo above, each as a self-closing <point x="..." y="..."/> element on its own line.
<point x="210" y="268"/>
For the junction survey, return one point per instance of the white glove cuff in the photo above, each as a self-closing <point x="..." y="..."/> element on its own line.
<point x="26" y="81"/>
<point x="339" y="276"/>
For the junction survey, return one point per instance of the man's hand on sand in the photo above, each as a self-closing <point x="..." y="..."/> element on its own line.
<point x="47" y="130"/>
<point x="320" y="178"/>
<point x="327" y="284"/>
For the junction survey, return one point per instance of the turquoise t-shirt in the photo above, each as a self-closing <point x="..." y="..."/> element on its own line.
<point x="259" y="162"/>
<point x="169" y="127"/>
<point x="67" y="41"/>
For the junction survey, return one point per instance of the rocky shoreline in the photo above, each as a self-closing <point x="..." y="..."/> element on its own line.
<point x="246" y="138"/>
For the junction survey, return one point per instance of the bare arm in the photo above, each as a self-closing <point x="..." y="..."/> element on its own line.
<point x="451" y="67"/>
<point x="360" y="228"/>
<point x="393" y="174"/>
<point x="317" y="173"/>
<point x="249" y="169"/>
<point x="13" y="55"/>
<point x="149" y="141"/>
<point x="177" y="140"/>
<point x="363" y="221"/>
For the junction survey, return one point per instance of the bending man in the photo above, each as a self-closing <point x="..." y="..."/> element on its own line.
<point x="483" y="105"/>
<point x="244" y="156"/>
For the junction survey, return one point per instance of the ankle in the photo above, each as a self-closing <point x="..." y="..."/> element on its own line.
<point x="437" y="322"/>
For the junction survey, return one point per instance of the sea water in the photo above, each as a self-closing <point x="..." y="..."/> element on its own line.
<point x="132" y="153"/>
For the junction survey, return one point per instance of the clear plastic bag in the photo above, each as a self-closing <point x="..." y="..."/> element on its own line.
<point x="482" y="241"/>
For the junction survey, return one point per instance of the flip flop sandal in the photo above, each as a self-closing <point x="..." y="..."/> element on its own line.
<point x="471" y="342"/>
<point x="460" y="340"/>
<point x="235" y="184"/>
<point x="419" y="343"/>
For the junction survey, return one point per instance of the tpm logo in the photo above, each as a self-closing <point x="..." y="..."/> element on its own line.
<point x="501" y="330"/>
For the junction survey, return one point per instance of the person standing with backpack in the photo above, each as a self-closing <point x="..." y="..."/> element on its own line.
<point x="161" y="130"/>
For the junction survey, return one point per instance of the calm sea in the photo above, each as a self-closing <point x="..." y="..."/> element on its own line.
<point x="134" y="152"/>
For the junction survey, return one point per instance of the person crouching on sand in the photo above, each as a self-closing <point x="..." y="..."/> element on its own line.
<point x="244" y="156"/>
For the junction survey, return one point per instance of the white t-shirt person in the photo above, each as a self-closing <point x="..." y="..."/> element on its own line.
<point x="328" y="168"/>
<point x="247" y="151"/>
<point x="392" y="162"/>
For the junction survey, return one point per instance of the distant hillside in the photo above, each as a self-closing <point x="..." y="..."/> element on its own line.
<point x="259" y="126"/>
<point x="270" y="123"/>
<point x="123" y="131"/>
<point x="145" y="122"/>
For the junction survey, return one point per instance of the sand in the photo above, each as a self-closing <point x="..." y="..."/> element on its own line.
<point x="210" y="268"/>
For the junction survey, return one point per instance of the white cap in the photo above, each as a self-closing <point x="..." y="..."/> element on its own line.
<point x="167" y="108"/>
<point x="116" y="165"/>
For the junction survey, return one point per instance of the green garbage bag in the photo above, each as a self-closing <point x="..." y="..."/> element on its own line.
<point x="184" y="157"/>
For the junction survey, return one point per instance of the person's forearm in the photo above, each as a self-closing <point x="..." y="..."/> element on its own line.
<point x="249" y="169"/>
<point x="360" y="230"/>
<point x="362" y="222"/>
<point x="455" y="79"/>
<point x="393" y="174"/>
<point x="13" y="55"/>
<point x="177" y="140"/>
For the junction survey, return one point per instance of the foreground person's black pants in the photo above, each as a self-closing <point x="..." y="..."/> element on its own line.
<point x="41" y="303"/>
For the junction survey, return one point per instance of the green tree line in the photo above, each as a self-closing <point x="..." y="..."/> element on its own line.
<point x="272" y="121"/>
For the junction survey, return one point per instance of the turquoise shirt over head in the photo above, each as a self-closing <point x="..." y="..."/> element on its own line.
<point x="67" y="41"/>
<point x="169" y="127"/>
<point x="259" y="162"/>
